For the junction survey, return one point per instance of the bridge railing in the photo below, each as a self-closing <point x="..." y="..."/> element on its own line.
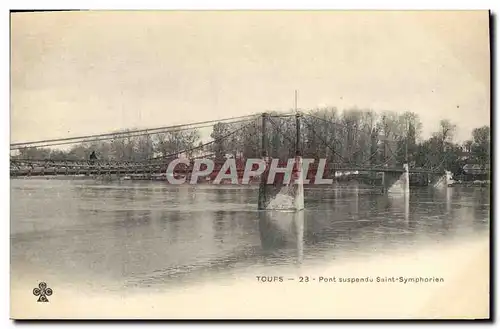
<point x="51" y="165"/>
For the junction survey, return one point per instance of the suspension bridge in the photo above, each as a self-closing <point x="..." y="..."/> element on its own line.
<point x="146" y="153"/>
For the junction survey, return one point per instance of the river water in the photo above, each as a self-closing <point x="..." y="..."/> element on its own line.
<point x="150" y="235"/>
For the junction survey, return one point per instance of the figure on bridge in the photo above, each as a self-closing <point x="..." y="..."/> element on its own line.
<point x="93" y="156"/>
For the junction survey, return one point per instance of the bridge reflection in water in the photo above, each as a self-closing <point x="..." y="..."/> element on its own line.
<point x="142" y="234"/>
<point x="282" y="230"/>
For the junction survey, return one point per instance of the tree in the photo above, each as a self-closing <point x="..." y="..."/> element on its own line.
<point x="411" y="128"/>
<point x="220" y="145"/>
<point x="446" y="132"/>
<point x="468" y="145"/>
<point x="481" y="145"/>
<point x="388" y="126"/>
<point x="144" y="148"/>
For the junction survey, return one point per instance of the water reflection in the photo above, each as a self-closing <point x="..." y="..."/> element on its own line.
<point x="449" y="195"/>
<point x="400" y="204"/>
<point x="481" y="207"/>
<point x="147" y="233"/>
<point x="282" y="230"/>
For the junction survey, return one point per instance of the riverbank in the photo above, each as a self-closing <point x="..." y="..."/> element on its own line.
<point x="472" y="183"/>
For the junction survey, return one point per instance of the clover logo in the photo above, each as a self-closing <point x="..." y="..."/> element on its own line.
<point x="42" y="291"/>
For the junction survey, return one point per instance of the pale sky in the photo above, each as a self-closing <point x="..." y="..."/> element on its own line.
<point x="79" y="73"/>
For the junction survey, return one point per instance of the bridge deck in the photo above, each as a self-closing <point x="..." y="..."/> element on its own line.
<point x="41" y="167"/>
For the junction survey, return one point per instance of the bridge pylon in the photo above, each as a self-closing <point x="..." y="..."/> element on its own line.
<point x="395" y="183"/>
<point x="289" y="196"/>
<point x="444" y="181"/>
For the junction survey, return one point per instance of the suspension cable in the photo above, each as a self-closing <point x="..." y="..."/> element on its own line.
<point x="205" y="144"/>
<point x="336" y="124"/>
<point x="327" y="121"/>
<point x="155" y="158"/>
<point x="333" y="150"/>
<point x="281" y="131"/>
<point x="116" y="135"/>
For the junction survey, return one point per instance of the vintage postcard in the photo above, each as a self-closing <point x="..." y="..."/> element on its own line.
<point x="250" y="165"/>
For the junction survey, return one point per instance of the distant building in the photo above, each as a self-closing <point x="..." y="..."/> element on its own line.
<point x="464" y="155"/>
<point x="202" y="154"/>
<point x="475" y="169"/>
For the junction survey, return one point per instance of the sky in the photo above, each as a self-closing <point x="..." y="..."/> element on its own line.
<point x="80" y="73"/>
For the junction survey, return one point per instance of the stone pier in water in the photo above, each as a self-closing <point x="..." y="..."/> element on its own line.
<point x="280" y="195"/>
<point x="395" y="183"/>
